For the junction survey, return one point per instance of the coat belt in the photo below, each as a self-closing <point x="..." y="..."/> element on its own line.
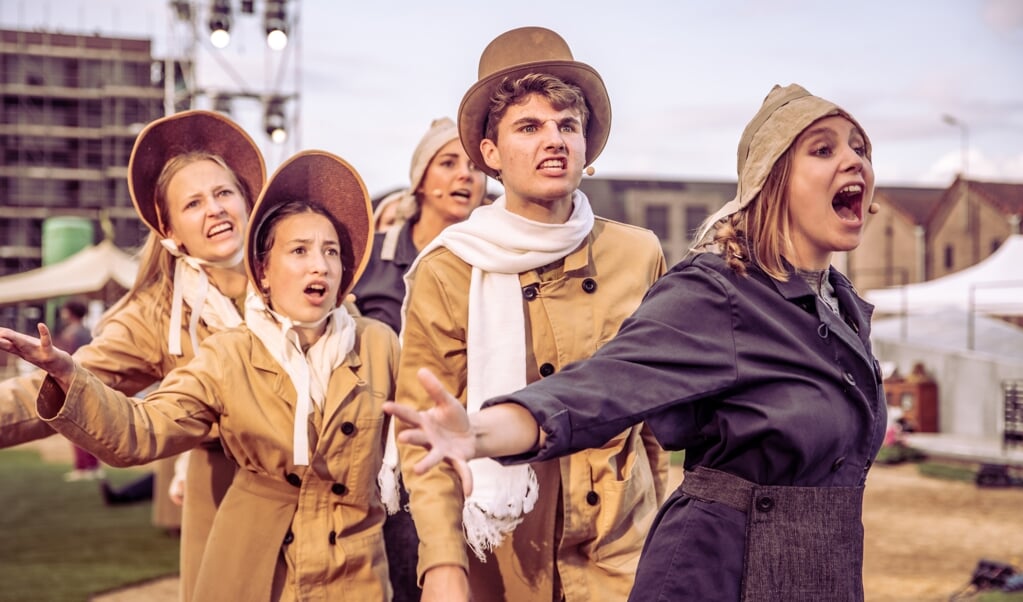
<point x="716" y="486"/>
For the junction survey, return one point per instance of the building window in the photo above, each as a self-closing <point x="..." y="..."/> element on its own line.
<point x="950" y="257"/>
<point x="656" y="219"/>
<point x="695" y="215"/>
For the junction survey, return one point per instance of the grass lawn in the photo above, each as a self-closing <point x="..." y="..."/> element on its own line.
<point x="62" y="543"/>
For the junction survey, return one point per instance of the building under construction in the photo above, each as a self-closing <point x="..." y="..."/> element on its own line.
<point x="71" y="108"/>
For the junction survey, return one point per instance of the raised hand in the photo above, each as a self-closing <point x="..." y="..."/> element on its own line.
<point x="39" y="352"/>
<point x="444" y="430"/>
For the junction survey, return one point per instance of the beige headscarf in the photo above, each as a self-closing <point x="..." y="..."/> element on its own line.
<point x="442" y="130"/>
<point x="786" y="112"/>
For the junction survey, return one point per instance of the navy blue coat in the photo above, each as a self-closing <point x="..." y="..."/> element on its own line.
<point x="751" y="376"/>
<point x="380" y="290"/>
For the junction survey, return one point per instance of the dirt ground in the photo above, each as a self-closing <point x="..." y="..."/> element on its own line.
<point x="924" y="535"/>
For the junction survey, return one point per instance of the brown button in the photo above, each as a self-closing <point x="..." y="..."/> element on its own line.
<point x="289" y="537"/>
<point x="530" y="292"/>
<point x="347" y="428"/>
<point x="546" y="369"/>
<point x="293" y="479"/>
<point x="339" y="488"/>
<point x="592" y="498"/>
<point x="589" y="285"/>
<point x="332" y="538"/>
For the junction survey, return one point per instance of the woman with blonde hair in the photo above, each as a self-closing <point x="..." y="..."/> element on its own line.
<point x="753" y="355"/>
<point x="193" y="177"/>
<point x="296" y="395"/>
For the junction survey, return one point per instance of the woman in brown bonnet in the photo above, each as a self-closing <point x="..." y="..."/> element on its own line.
<point x="296" y="395"/>
<point x="753" y="355"/>
<point x="193" y="177"/>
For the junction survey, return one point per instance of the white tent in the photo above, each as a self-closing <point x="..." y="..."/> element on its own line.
<point x="87" y="271"/>
<point x="993" y="287"/>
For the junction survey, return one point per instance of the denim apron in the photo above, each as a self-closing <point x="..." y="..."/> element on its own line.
<point x="803" y="544"/>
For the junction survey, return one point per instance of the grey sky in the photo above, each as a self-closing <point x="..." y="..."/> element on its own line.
<point x="684" y="75"/>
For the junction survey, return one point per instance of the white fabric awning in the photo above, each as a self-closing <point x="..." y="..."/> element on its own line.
<point x="87" y="271"/>
<point x="993" y="287"/>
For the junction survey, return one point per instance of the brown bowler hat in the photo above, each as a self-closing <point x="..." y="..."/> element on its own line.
<point x="329" y="181"/>
<point x="189" y="131"/>
<point x="520" y="52"/>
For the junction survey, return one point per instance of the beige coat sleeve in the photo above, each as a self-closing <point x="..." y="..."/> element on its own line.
<point x="129" y="354"/>
<point x="433" y="337"/>
<point x="124" y="431"/>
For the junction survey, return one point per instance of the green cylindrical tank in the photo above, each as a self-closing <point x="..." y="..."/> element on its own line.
<point x="63" y="237"/>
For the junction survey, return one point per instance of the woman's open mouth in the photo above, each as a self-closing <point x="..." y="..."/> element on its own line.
<point x="848" y="203"/>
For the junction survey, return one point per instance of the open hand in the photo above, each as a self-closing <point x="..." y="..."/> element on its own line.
<point x="39" y="352"/>
<point x="444" y="430"/>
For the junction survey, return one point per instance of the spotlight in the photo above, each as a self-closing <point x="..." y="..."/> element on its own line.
<point x="276" y="24"/>
<point x="274" y="121"/>
<point x="220" y="23"/>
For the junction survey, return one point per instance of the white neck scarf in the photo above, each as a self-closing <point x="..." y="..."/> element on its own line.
<point x="310" y="371"/>
<point x="192" y="285"/>
<point x="500" y="245"/>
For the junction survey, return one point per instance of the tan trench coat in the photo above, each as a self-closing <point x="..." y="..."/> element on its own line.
<point x="595" y="506"/>
<point x="283" y="532"/>
<point x="128" y="355"/>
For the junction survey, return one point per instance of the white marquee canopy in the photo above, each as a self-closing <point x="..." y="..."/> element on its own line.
<point x="992" y="287"/>
<point x="87" y="271"/>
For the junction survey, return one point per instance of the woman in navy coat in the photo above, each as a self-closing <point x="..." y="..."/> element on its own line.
<point x="752" y="354"/>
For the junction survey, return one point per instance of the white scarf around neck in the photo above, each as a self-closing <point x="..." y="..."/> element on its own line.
<point x="192" y="285"/>
<point x="309" y="371"/>
<point x="499" y="245"/>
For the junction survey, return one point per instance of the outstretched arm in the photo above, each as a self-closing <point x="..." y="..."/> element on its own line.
<point x="449" y="433"/>
<point x="40" y="352"/>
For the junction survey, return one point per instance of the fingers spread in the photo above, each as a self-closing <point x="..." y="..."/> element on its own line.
<point x="405" y="414"/>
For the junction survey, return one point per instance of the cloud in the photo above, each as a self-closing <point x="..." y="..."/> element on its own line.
<point x="1003" y="16"/>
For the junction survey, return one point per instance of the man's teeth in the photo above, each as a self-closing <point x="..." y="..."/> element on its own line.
<point x="551" y="163"/>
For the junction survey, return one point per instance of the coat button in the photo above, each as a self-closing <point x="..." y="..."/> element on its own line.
<point x="293" y="479"/>
<point x="332" y="538"/>
<point x="289" y="537"/>
<point x="546" y="369"/>
<point x="837" y="464"/>
<point x="765" y="504"/>
<point x="849" y="378"/>
<point x="339" y="488"/>
<point x="589" y="285"/>
<point x="347" y="428"/>
<point x="592" y="498"/>
<point x="530" y="292"/>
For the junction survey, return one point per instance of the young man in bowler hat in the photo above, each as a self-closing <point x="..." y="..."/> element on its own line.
<point x="521" y="289"/>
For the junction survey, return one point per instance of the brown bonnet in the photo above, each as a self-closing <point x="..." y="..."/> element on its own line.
<point x="326" y="180"/>
<point x="184" y="132"/>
